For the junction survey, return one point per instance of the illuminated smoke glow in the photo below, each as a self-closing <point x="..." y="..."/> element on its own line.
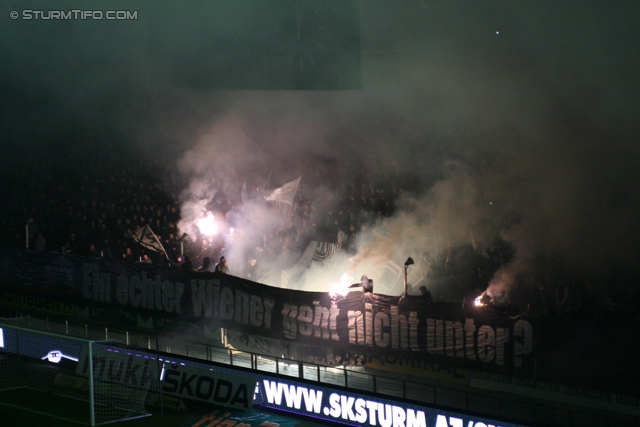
<point x="207" y="225"/>
<point x="484" y="126"/>
<point x="486" y="150"/>
<point x="500" y="286"/>
<point x="451" y="203"/>
<point x="340" y="290"/>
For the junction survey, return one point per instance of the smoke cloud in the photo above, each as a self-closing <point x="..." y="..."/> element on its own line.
<point x="492" y="123"/>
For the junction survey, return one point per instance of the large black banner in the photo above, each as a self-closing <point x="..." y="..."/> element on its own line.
<point x="480" y="337"/>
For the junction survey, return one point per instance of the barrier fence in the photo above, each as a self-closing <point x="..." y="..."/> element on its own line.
<point x="517" y="409"/>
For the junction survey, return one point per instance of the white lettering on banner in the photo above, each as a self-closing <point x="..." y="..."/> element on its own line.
<point x="312" y="398"/>
<point x="384" y="416"/>
<point x="340" y="406"/>
<point x="486" y="343"/>
<point x="346" y="403"/>
<point x="369" y="328"/>
<point x="443" y="337"/>
<point x="361" y="412"/>
<point x="377" y="327"/>
<point x="380" y="322"/>
<point x="454" y="338"/>
<point x="469" y="330"/>
<point x="143" y="292"/>
<point x="523" y="332"/>
<point x="210" y="301"/>
<point x="307" y="320"/>
<point x="336" y="410"/>
<point x="349" y="408"/>
<point x="205" y="385"/>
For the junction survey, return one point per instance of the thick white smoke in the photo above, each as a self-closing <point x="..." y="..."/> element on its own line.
<point x="481" y="145"/>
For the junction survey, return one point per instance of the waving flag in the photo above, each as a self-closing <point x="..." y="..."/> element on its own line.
<point x="147" y="238"/>
<point x="286" y="193"/>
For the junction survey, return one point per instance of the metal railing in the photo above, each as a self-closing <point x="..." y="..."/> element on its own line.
<point x="520" y="410"/>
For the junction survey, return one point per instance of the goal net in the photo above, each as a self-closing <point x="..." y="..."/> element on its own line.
<point x="55" y="370"/>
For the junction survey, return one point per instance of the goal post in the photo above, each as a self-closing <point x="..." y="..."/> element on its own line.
<point x="45" y="369"/>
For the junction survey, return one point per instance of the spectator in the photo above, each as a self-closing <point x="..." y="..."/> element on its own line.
<point x="206" y="264"/>
<point x="144" y="259"/>
<point x="251" y="269"/>
<point x="128" y="256"/>
<point x="93" y="251"/>
<point x="40" y="243"/>
<point x="354" y="200"/>
<point x="222" y="266"/>
<point x="187" y="265"/>
<point x="541" y="300"/>
<point x="426" y="295"/>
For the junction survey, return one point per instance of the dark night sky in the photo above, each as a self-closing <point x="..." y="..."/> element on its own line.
<point x="531" y="104"/>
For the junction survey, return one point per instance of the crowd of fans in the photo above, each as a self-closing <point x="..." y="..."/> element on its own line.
<point x="462" y="274"/>
<point x="91" y="202"/>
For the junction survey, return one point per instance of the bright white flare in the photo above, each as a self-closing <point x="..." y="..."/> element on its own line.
<point x="340" y="290"/>
<point x="207" y="225"/>
<point x="484" y="299"/>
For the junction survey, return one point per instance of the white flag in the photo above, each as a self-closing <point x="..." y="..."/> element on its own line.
<point x="474" y="242"/>
<point x="286" y="193"/>
<point x="147" y="238"/>
<point x="244" y="194"/>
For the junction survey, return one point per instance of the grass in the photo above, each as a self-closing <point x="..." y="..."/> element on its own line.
<point x="29" y="407"/>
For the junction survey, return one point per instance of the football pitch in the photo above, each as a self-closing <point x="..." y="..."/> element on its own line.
<point x="29" y="407"/>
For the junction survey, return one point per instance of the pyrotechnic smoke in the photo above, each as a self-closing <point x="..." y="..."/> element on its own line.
<point x="507" y="120"/>
<point x="501" y="285"/>
<point x="339" y="290"/>
<point x="237" y="151"/>
<point x="480" y="146"/>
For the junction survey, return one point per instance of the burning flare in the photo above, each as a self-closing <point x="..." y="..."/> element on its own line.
<point x="340" y="290"/>
<point x="482" y="300"/>
<point x="208" y="225"/>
